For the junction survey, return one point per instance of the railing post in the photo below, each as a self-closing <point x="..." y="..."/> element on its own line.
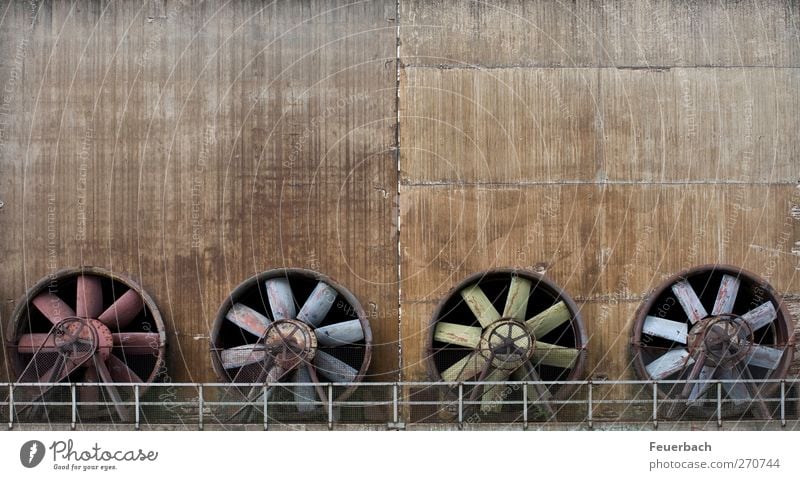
<point x="525" y="405"/>
<point x="10" y="406"/>
<point x="460" y="405"/>
<point x="655" y="404"/>
<point x="783" y="403"/>
<point x="330" y="406"/>
<point x="266" y="407"/>
<point x="200" y="406"/>
<point x="136" y="405"/>
<point x="589" y="404"/>
<point x="719" y="404"/>
<point x="74" y="405"/>
<point x="395" y="404"/>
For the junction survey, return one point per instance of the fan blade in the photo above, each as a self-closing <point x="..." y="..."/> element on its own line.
<point x="242" y="355"/>
<point x="303" y="394"/>
<point x="736" y="391"/>
<point x="108" y="384"/>
<point x="517" y="300"/>
<point x="536" y="392"/>
<point x="275" y="374"/>
<point x="56" y="371"/>
<point x="90" y="394"/>
<point x="669" y="363"/>
<point x="464" y="369"/>
<point x="255" y="394"/>
<point x="689" y="301"/>
<point x="528" y="373"/>
<point x="663" y="328"/>
<point x="52" y="307"/>
<point x="342" y="333"/>
<point x="698" y="389"/>
<point x="138" y="343"/>
<point x="122" y="312"/>
<point x="764" y="357"/>
<point x="694" y="373"/>
<point x="555" y="355"/>
<point x="89" y="297"/>
<point x="457" y="334"/>
<point x="493" y="393"/>
<point x="333" y="368"/>
<point x="547" y="321"/>
<point x="36" y="342"/>
<point x="281" y="299"/>
<point x="480" y="305"/>
<point x="121" y="372"/>
<point x="760" y="316"/>
<point x="248" y="319"/>
<point x="318" y="305"/>
<point x="41" y="369"/>
<point x="726" y="296"/>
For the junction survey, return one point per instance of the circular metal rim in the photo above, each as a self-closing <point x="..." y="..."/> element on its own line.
<point x="23" y="304"/>
<point x="785" y="333"/>
<point x="254" y="281"/>
<point x="577" y="371"/>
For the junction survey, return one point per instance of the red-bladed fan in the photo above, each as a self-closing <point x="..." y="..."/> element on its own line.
<point x="291" y="326"/>
<point x="714" y="322"/>
<point x="85" y="325"/>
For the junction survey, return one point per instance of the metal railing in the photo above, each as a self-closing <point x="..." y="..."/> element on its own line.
<point x="398" y="404"/>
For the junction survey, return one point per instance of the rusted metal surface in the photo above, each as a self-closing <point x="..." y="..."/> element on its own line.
<point x="749" y="335"/>
<point x="488" y="347"/>
<point x="259" y="335"/>
<point x="49" y="342"/>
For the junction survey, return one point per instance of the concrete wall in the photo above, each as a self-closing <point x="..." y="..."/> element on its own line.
<point x="215" y="140"/>
<point x="608" y="144"/>
<point x="193" y="144"/>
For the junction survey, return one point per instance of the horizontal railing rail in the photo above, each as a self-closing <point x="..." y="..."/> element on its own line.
<point x="397" y="404"/>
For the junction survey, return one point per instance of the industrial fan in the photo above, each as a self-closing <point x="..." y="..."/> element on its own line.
<point x="84" y="325"/>
<point x="507" y="324"/>
<point x="713" y="322"/>
<point x="291" y="326"/>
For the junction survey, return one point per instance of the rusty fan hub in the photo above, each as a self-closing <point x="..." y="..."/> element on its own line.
<point x="507" y="343"/>
<point x="80" y="338"/>
<point x="726" y="340"/>
<point x="290" y="343"/>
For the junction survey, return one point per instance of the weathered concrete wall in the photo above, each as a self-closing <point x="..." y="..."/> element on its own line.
<point x="204" y="142"/>
<point x="193" y="144"/>
<point x="608" y="144"/>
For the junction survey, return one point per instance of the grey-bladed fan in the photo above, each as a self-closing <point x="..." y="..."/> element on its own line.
<point x="291" y="326"/>
<point x="713" y="322"/>
<point x="507" y="325"/>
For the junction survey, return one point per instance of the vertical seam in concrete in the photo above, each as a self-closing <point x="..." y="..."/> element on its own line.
<point x="397" y="202"/>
